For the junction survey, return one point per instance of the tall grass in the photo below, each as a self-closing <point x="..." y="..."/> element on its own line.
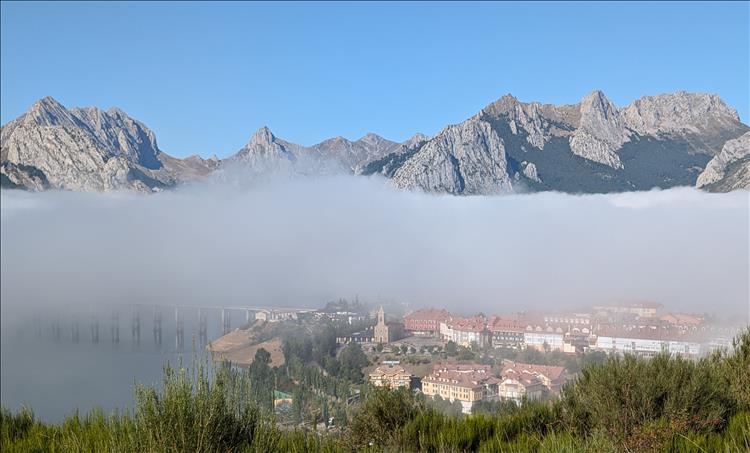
<point x="189" y="413"/>
<point x="662" y="404"/>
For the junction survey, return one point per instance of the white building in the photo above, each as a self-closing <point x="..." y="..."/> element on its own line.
<point x="647" y="347"/>
<point x="275" y="315"/>
<point x="547" y="341"/>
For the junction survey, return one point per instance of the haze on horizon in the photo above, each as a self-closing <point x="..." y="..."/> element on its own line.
<point x="303" y="241"/>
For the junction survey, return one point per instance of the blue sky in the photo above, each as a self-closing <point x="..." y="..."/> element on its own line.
<point x="205" y="76"/>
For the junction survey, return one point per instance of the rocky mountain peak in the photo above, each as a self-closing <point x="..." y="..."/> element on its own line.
<point x="506" y="104"/>
<point x="656" y="141"/>
<point x="601" y="131"/>
<point x="116" y="112"/>
<point x="371" y="138"/>
<point x="596" y="105"/>
<point x="465" y="158"/>
<point x="679" y="113"/>
<point x="262" y="136"/>
<point x="415" y="139"/>
<point x="87" y="149"/>
<point x="48" y="112"/>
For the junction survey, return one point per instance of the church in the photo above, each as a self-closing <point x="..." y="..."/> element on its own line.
<point x="386" y="332"/>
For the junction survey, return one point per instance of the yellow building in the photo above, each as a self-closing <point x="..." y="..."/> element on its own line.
<point x="464" y="383"/>
<point x="390" y="374"/>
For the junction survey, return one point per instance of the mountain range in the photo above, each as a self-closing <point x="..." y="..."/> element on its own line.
<point x="677" y="139"/>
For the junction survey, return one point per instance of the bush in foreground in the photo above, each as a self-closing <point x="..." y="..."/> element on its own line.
<point x="625" y="404"/>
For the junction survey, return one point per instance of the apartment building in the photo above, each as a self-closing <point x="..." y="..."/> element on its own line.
<point x="391" y="374"/>
<point x="465" y="331"/>
<point x="426" y="321"/>
<point x="552" y="378"/>
<point x="644" y="309"/>
<point x="647" y="341"/>
<point x="466" y="383"/>
<point x="506" y="331"/>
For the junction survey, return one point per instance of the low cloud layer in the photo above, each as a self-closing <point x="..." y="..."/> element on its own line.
<point x="303" y="241"/>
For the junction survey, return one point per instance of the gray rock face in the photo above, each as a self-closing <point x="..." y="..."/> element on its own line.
<point x="679" y="113"/>
<point x="354" y="155"/>
<point x="89" y="149"/>
<point x="467" y="158"/>
<point x="588" y="147"/>
<point x="527" y="117"/>
<point x="730" y="169"/>
<point x="16" y="176"/>
<point x="601" y="131"/>
<point x="592" y="146"/>
<point x="266" y="152"/>
<point x="529" y="170"/>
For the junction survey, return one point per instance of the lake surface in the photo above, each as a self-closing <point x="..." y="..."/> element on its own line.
<point x="55" y="377"/>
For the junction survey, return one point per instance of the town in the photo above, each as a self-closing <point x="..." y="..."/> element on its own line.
<point x="461" y="364"/>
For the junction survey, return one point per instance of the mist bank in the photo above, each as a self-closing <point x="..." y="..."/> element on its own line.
<point x="302" y="241"/>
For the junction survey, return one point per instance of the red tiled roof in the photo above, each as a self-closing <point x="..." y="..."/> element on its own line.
<point x="514" y="369"/>
<point x="461" y="367"/>
<point x="430" y="314"/>
<point x="473" y="324"/>
<point x="682" y="319"/>
<point x="462" y="378"/>
<point x="506" y="323"/>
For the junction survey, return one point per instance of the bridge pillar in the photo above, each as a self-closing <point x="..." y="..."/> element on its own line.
<point x="225" y="321"/>
<point x="75" y="331"/>
<point x="157" y="327"/>
<point x="179" y="338"/>
<point x="115" y="327"/>
<point x="56" y="328"/>
<point x="94" y="329"/>
<point x="202" y="329"/>
<point x="135" y="328"/>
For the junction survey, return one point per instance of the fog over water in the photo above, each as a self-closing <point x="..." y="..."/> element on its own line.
<point x="302" y="241"/>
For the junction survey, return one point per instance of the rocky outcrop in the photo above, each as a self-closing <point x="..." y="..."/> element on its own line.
<point x="266" y="152"/>
<point x="526" y="117"/>
<point x="592" y="146"/>
<point x="354" y="155"/>
<point x="601" y="131"/>
<point x="680" y="113"/>
<point x="89" y="149"/>
<point x="467" y="158"/>
<point x="19" y="176"/>
<point x="529" y="170"/>
<point x="730" y="169"/>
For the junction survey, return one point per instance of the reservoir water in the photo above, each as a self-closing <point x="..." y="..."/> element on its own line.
<point x="56" y="376"/>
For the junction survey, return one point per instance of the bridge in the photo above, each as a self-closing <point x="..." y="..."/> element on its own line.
<point x="175" y="313"/>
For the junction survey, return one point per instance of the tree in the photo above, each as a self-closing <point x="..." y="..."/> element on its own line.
<point x="263" y="356"/>
<point x="635" y="399"/>
<point x="381" y="416"/>
<point x="262" y="382"/>
<point x="451" y="348"/>
<point x="352" y="360"/>
<point x="466" y="354"/>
